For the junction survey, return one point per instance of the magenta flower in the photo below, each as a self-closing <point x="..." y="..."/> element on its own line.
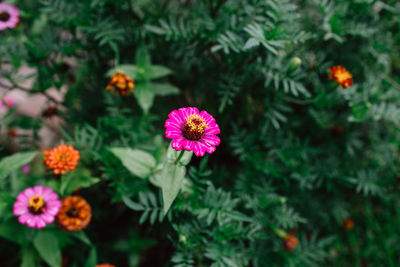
<point x="26" y="169"/>
<point x="37" y="206"/>
<point x="192" y="130"/>
<point x="9" y="16"/>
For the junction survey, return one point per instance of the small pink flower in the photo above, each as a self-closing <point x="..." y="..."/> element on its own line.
<point x="37" y="206"/>
<point x="26" y="169"/>
<point x="9" y="16"/>
<point x="9" y="101"/>
<point x="192" y="130"/>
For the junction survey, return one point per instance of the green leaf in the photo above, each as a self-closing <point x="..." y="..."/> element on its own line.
<point x="142" y="57"/>
<point x="144" y="93"/>
<point x="138" y="162"/>
<point x="170" y="180"/>
<point x="172" y="156"/>
<point x="92" y="258"/>
<point x="14" y="162"/>
<point x="13" y="231"/>
<point x="127" y="69"/>
<point x="156" y="71"/>
<point x="76" y="180"/>
<point x="28" y="258"/>
<point x="47" y="245"/>
<point x="164" y="89"/>
<point x="131" y="204"/>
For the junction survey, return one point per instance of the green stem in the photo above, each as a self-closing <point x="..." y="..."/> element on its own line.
<point x="180" y="156"/>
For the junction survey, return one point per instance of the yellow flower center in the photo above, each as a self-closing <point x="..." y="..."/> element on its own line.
<point x="194" y="127"/>
<point x="63" y="157"/>
<point x="36" y="204"/>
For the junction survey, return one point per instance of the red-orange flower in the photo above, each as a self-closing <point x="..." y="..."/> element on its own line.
<point x="348" y="224"/>
<point x="290" y="242"/>
<point x="122" y="84"/>
<point x="75" y="214"/>
<point x="61" y="158"/>
<point x="341" y="76"/>
<point x="105" y="265"/>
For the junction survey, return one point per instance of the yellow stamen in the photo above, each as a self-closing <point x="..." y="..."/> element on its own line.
<point x="196" y="123"/>
<point x="36" y="203"/>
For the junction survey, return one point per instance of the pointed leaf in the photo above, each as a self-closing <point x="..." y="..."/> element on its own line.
<point x="138" y="162"/>
<point x="47" y="245"/>
<point x="14" y="162"/>
<point x="144" y="94"/>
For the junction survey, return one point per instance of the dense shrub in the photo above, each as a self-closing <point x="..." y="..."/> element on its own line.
<point x="306" y="171"/>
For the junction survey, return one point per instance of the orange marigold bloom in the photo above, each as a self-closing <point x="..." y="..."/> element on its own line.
<point x="341" y="76"/>
<point x="105" y="265"/>
<point x="75" y="214"/>
<point x="348" y="224"/>
<point x="122" y="84"/>
<point x="61" y="158"/>
<point x="290" y="242"/>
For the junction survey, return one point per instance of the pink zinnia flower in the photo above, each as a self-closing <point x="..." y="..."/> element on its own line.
<point x="37" y="206"/>
<point x="9" y="16"/>
<point x="192" y="130"/>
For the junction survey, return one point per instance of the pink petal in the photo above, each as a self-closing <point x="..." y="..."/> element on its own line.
<point x="175" y="116"/>
<point x="23" y="198"/>
<point x="186" y="112"/>
<point x="173" y="124"/>
<point x="177" y="144"/>
<point x="171" y="133"/>
<point x="198" y="150"/>
<point x="20" y="209"/>
<point x="29" y="192"/>
<point x="40" y="222"/>
<point x="38" y="190"/>
<point x="207" y="117"/>
<point x="212" y="140"/>
<point x="212" y="130"/>
<point x="31" y="222"/>
<point x="47" y="218"/>
<point x="188" y="145"/>
<point x="24" y="218"/>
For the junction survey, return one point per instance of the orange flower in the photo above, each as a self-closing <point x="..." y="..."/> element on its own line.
<point x="341" y="76"/>
<point x="61" y="158"/>
<point x="75" y="214"/>
<point x="122" y="84"/>
<point x="348" y="224"/>
<point x="290" y="242"/>
<point x="105" y="265"/>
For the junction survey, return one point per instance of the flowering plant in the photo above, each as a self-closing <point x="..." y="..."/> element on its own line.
<point x="199" y="133"/>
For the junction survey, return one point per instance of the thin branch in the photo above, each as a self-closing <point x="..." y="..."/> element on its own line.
<point x="390" y="80"/>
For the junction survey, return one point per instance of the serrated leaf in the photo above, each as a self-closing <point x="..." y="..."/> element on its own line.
<point x="14" y="162"/>
<point x="138" y="162"/>
<point x="47" y="245"/>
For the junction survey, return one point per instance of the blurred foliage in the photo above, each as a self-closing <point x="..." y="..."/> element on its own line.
<point x="260" y="67"/>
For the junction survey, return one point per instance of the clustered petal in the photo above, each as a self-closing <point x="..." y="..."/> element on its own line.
<point x="192" y="130"/>
<point x="75" y="213"/>
<point x="105" y="265"/>
<point x="341" y="76"/>
<point x="37" y="206"/>
<point x="61" y="158"/>
<point x="290" y="242"/>
<point x="122" y="84"/>
<point x="9" y="16"/>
